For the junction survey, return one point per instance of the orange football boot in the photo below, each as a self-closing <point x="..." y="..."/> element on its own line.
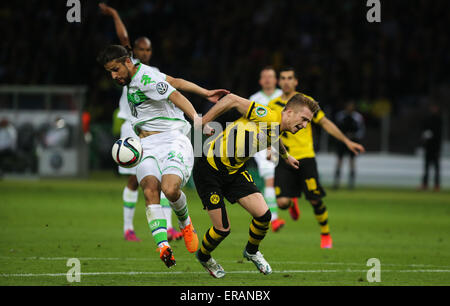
<point x="294" y="210"/>
<point x="166" y="255"/>
<point x="190" y="238"/>
<point x="325" y="241"/>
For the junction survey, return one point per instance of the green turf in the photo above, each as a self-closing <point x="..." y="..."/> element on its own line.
<point x="42" y="223"/>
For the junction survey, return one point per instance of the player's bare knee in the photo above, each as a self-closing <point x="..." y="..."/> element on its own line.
<point x="150" y="186"/>
<point x="266" y="217"/>
<point x="283" y="204"/>
<point x="171" y="191"/>
<point x="151" y="196"/>
<point x="132" y="182"/>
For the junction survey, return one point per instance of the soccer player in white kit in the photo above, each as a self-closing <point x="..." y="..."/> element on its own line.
<point x="157" y="109"/>
<point x="266" y="167"/>
<point x="130" y="192"/>
<point x="142" y="51"/>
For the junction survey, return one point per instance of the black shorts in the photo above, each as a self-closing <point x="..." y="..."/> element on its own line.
<point x="213" y="186"/>
<point x="291" y="183"/>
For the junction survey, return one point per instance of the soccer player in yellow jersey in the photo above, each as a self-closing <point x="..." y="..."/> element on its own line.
<point x="290" y="183"/>
<point x="221" y="172"/>
<point x="266" y="168"/>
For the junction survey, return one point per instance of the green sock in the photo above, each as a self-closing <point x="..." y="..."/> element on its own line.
<point x="157" y="223"/>
<point x="271" y="200"/>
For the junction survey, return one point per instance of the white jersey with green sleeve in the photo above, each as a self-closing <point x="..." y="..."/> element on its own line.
<point x="261" y="98"/>
<point x="151" y="109"/>
<point x="124" y="108"/>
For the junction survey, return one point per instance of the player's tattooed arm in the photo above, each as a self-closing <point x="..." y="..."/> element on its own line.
<point x="291" y="161"/>
<point x="121" y="30"/>
<point x="225" y="104"/>
<point x="184" y="85"/>
<point x="334" y="131"/>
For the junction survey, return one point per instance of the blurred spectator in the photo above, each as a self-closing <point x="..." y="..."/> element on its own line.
<point x="352" y="125"/>
<point x="58" y="135"/>
<point x="432" y="139"/>
<point x="8" y="145"/>
<point x="86" y="126"/>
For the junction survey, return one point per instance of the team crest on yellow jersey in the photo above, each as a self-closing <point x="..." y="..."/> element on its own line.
<point x="261" y="111"/>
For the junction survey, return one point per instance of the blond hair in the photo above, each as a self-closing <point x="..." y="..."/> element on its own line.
<point x="303" y="100"/>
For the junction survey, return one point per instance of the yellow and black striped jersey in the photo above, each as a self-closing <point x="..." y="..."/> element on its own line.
<point x="241" y="139"/>
<point x="299" y="145"/>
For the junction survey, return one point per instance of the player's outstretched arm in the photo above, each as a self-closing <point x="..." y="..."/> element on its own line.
<point x="184" y="104"/>
<point x="334" y="131"/>
<point x="225" y="104"/>
<point x="121" y="30"/>
<point x="184" y="85"/>
<point x="291" y="161"/>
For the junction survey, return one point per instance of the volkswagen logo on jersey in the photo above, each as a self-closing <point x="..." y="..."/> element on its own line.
<point x="161" y="87"/>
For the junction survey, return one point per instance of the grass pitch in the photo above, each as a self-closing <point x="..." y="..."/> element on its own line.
<point x="43" y="223"/>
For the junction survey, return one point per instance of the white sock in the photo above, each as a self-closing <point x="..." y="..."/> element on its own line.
<point x="271" y="200"/>
<point x="167" y="210"/>
<point x="157" y="223"/>
<point x="130" y="198"/>
<point x="181" y="210"/>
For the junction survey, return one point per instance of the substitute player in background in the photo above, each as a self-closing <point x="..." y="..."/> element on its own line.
<point x="142" y="51"/>
<point x="158" y="112"/>
<point x="221" y="172"/>
<point x="432" y="141"/>
<point x="351" y="123"/>
<point x="291" y="183"/>
<point x="266" y="167"/>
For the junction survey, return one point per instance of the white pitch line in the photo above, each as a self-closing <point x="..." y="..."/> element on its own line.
<point x="202" y="272"/>
<point x="228" y="261"/>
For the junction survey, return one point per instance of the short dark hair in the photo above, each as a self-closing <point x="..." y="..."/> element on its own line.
<point x="137" y="40"/>
<point x="287" y="69"/>
<point x="302" y="100"/>
<point x="113" y="52"/>
<point x="269" y="68"/>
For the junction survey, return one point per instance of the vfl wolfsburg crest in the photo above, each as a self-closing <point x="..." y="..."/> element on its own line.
<point x="162" y="87"/>
<point x="136" y="97"/>
<point x="261" y="111"/>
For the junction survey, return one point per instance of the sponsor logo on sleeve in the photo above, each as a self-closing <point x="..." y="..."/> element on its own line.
<point x="162" y="87"/>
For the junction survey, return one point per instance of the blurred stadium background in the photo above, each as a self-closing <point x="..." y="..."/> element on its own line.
<point x="59" y="105"/>
<point x="393" y="70"/>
